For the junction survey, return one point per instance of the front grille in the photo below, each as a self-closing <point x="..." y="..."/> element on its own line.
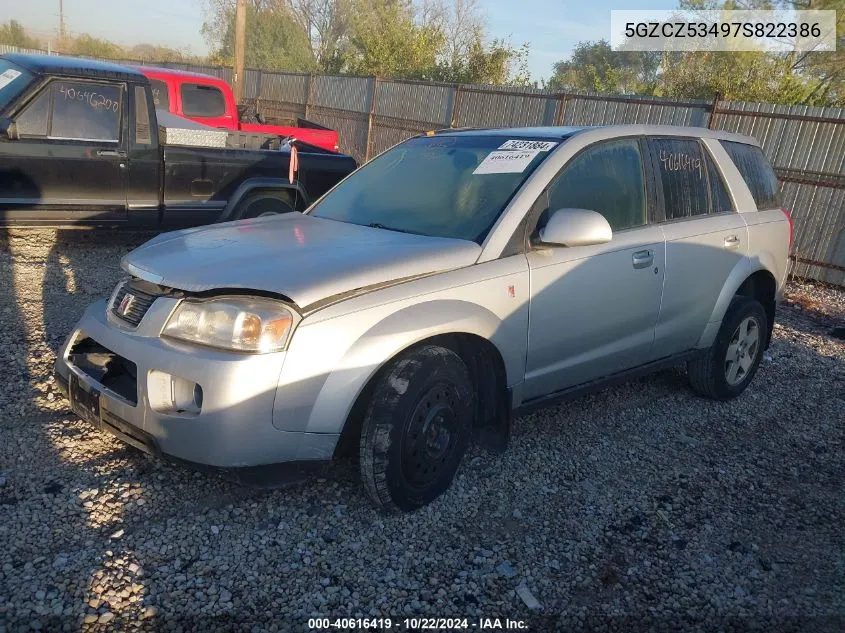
<point x="130" y="303"/>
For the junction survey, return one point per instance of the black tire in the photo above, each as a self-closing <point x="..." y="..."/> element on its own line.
<point x="259" y="203"/>
<point x="425" y="393"/>
<point x="709" y="374"/>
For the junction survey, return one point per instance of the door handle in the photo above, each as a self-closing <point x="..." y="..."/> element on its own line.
<point x="643" y="259"/>
<point x="113" y="153"/>
<point x="731" y="241"/>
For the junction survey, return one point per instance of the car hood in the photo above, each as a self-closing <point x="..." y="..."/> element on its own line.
<point x="303" y="258"/>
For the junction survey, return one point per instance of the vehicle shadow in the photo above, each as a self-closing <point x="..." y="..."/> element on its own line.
<point x="141" y="541"/>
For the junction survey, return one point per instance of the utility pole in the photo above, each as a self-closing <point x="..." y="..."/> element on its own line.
<point x="61" y="19"/>
<point x="240" y="49"/>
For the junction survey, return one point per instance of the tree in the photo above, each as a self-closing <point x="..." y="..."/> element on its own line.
<point x="326" y="22"/>
<point x="88" y="46"/>
<point x="595" y="67"/>
<point x="812" y="77"/>
<point x="386" y="40"/>
<point x="154" y="53"/>
<point x="14" y="34"/>
<point x="422" y="39"/>
<point x="273" y="40"/>
<point x="466" y="56"/>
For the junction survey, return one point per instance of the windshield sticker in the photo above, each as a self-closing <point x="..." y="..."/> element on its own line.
<point x="8" y="77"/>
<point x="507" y="162"/>
<point x="542" y="146"/>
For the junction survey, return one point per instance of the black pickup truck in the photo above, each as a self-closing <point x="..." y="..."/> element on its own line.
<point x="80" y="144"/>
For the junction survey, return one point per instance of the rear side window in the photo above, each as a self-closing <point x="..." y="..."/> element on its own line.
<point x="608" y="178"/>
<point x="202" y="101"/>
<point x="161" y="97"/>
<point x="757" y="173"/>
<point x="683" y="176"/>
<point x="143" y="133"/>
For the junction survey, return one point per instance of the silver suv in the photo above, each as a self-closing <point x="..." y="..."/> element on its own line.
<point x="457" y="278"/>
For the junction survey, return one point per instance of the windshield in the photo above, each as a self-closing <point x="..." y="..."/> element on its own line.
<point x="442" y="186"/>
<point x="13" y="81"/>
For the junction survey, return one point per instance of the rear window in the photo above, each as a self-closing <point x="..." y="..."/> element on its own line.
<point x="161" y="97"/>
<point x="202" y="101"/>
<point x="13" y="81"/>
<point x="757" y="173"/>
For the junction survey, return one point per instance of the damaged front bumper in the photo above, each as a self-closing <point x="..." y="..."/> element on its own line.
<point x="210" y="408"/>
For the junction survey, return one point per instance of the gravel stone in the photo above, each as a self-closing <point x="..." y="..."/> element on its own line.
<point x="639" y="502"/>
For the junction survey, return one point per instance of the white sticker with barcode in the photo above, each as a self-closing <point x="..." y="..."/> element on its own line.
<point x="541" y="146"/>
<point x="505" y="162"/>
<point x="8" y="77"/>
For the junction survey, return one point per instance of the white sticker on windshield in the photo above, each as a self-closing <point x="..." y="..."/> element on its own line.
<point x="507" y="162"/>
<point x="8" y="77"/>
<point x="541" y="146"/>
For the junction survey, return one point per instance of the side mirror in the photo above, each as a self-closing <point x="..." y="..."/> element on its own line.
<point x="8" y="129"/>
<point x="575" y="227"/>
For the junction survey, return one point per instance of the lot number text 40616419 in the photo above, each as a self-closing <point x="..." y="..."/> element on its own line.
<point x="418" y="624"/>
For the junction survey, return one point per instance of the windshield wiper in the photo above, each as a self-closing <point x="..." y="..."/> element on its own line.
<point x="377" y="225"/>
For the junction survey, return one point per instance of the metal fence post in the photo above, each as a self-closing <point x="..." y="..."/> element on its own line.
<point x="561" y="109"/>
<point x="714" y="107"/>
<point x="375" y="82"/>
<point x="310" y="95"/>
<point x="456" y="107"/>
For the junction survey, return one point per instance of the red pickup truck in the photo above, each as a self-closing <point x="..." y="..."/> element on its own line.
<point x="209" y="100"/>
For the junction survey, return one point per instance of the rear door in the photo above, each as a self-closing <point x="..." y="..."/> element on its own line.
<point x="594" y="308"/>
<point x="706" y="238"/>
<point x="71" y="155"/>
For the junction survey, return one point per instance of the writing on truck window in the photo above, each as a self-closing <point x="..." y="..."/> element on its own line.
<point x="681" y="162"/>
<point x="93" y="98"/>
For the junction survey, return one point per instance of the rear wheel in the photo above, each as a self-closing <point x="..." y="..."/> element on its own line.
<point x="416" y="429"/>
<point x="263" y="203"/>
<point x="730" y="364"/>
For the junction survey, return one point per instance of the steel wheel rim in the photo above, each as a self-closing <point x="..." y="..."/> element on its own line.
<point x="430" y="436"/>
<point x="742" y="351"/>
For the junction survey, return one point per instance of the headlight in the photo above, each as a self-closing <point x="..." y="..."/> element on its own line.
<point x="243" y="324"/>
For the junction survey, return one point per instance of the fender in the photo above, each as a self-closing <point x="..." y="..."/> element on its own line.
<point x="746" y="267"/>
<point x="320" y="401"/>
<point x="259" y="183"/>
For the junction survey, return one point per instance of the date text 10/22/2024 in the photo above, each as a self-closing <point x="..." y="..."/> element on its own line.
<point x="417" y="624"/>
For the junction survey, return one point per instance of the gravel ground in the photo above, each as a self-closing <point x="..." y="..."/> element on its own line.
<point x="638" y="507"/>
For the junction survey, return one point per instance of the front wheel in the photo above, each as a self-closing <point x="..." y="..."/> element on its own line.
<point x="727" y="368"/>
<point x="416" y="429"/>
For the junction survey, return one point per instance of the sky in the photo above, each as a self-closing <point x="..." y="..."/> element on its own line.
<point x="552" y="28"/>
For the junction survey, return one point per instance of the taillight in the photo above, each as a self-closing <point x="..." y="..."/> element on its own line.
<point x="791" y="226"/>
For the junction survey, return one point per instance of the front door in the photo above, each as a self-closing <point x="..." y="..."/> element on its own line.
<point x="69" y="164"/>
<point x="593" y="309"/>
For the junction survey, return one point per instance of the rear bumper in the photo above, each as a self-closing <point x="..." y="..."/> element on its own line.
<point x="233" y="426"/>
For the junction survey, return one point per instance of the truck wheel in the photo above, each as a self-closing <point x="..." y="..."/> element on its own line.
<point x="416" y="429"/>
<point x="727" y="368"/>
<point x="262" y="203"/>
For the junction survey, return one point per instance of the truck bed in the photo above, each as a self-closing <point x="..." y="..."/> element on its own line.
<point x="199" y="181"/>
